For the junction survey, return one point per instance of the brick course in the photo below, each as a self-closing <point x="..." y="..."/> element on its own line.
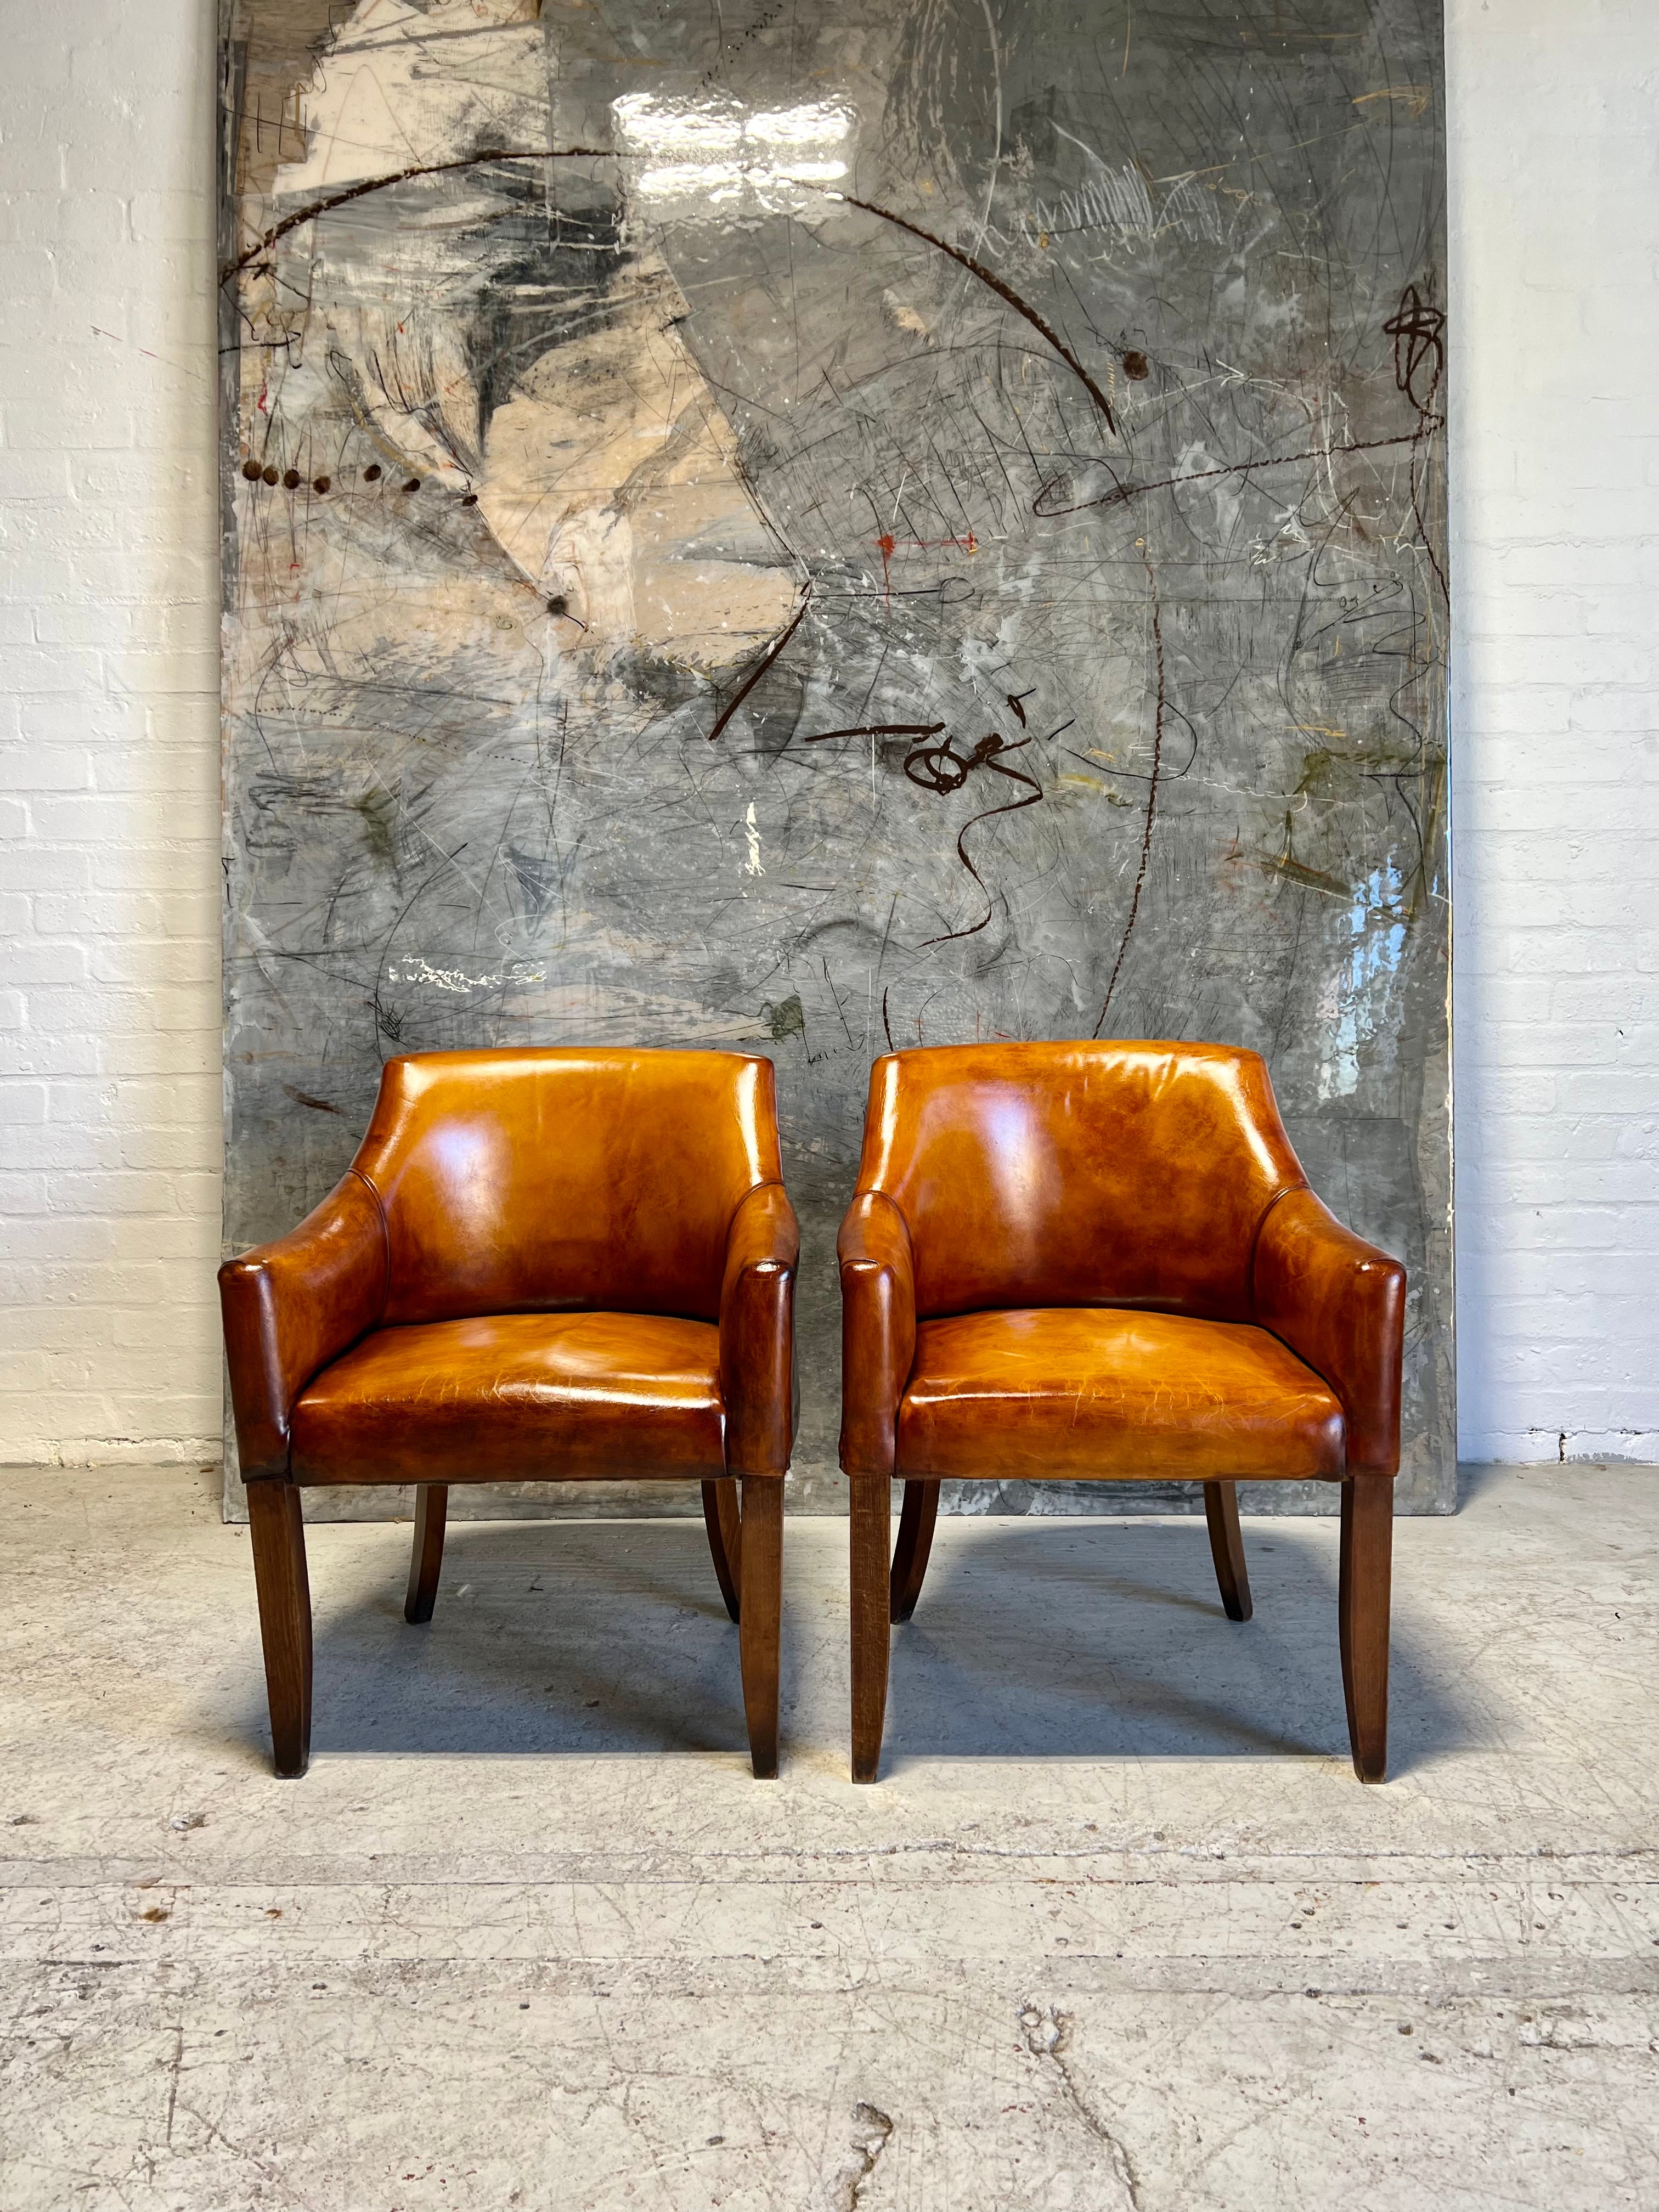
<point x="109" y="1017"/>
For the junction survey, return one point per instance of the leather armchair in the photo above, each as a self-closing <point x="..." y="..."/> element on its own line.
<point x="1103" y="1262"/>
<point x="540" y="1264"/>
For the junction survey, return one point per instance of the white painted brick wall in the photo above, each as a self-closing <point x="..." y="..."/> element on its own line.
<point x="109" y="1091"/>
<point x="109" y="773"/>
<point x="1554" y="137"/>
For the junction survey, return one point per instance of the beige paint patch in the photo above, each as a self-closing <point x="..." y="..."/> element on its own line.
<point x="610" y="479"/>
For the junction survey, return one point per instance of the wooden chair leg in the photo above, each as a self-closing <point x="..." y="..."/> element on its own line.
<point x="915" y="1540"/>
<point x="1367" y="1557"/>
<point x="426" y="1560"/>
<point x="871" y="1537"/>
<point x="725" y="1526"/>
<point x="1227" y="1548"/>
<point x="761" y="1612"/>
<point x="284" y="1590"/>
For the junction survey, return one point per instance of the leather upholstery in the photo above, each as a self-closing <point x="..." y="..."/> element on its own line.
<point x="291" y="1305"/>
<point x="521" y="1396"/>
<point x="1078" y="1174"/>
<point x="1100" y="1391"/>
<point x="1249" y="1334"/>
<point x="878" y="1330"/>
<point x="1342" y="1305"/>
<point x="524" y="1182"/>
<point x="757" y="1331"/>
<point x="639" y="1189"/>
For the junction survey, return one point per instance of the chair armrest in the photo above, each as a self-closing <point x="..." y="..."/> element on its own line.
<point x="1340" y="1304"/>
<point x="757" y="1325"/>
<point x="291" y="1306"/>
<point x="878" y="1330"/>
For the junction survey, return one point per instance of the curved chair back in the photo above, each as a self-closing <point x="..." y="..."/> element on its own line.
<point x="526" y="1181"/>
<point x="1117" y="1174"/>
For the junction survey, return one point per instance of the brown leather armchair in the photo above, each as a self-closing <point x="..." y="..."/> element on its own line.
<point x="1103" y="1262"/>
<point x="560" y="1265"/>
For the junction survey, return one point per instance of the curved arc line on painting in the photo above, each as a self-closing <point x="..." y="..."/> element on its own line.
<point x="365" y="187"/>
<point x="368" y="184"/>
<point x="1004" y="292"/>
<point x="1151" y="794"/>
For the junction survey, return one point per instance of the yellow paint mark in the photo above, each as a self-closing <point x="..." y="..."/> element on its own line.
<point x="1317" y="730"/>
<point x="1293" y="871"/>
<point x="1415" y="98"/>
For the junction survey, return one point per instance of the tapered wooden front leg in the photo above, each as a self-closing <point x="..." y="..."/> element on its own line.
<point x="427" y="1558"/>
<point x="1367" y="1560"/>
<point x="1227" y="1548"/>
<point x="725" y="1526"/>
<point x="760" y="1616"/>
<point x="284" y="1590"/>
<point x="915" y="1540"/>
<point x="872" y="1534"/>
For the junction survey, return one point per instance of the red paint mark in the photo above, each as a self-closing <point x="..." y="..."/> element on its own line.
<point x="265" y="391"/>
<point x="888" y="545"/>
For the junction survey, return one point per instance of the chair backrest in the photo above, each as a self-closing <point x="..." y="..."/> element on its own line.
<point x="1078" y="1174"/>
<point x="526" y="1181"/>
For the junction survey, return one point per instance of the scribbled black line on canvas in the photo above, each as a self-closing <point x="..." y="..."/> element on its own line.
<point x="999" y="590"/>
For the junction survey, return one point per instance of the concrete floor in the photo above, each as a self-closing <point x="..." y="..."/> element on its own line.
<point x="1118" y="1928"/>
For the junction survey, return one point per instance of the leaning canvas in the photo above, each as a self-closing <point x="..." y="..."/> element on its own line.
<point x="837" y="529"/>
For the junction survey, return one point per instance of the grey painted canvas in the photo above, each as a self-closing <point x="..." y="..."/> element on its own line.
<point x="879" y="523"/>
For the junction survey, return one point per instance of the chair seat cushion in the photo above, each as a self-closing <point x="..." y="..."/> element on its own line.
<point x="517" y="1397"/>
<point x="1108" y="1394"/>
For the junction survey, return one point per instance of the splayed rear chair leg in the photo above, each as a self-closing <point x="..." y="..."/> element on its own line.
<point x="1227" y="1548"/>
<point x="426" y="1558"/>
<point x="915" y="1540"/>
<point x="721" y="1518"/>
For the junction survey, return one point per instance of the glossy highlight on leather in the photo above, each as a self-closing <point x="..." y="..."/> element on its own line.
<point x="1102" y="1262"/>
<point x="1012" y="1182"/>
<point x="1089" y="1392"/>
<point x="543" y="1395"/>
<point x="541" y="1265"/>
<point x="1078" y="1174"/>
<point x="642" y="1186"/>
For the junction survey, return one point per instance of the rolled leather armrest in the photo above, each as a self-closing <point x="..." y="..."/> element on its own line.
<point x="878" y="1330"/>
<point x="757" y="1320"/>
<point x="291" y="1306"/>
<point x="1339" y="1304"/>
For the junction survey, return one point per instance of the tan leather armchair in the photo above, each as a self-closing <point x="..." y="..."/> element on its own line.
<point x="1103" y="1262"/>
<point x="540" y="1264"/>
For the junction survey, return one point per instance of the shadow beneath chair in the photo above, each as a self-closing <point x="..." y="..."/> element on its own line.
<point x="1107" y="1640"/>
<point x="546" y="1638"/>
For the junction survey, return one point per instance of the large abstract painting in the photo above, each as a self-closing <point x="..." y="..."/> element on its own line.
<point x="836" y="527"/>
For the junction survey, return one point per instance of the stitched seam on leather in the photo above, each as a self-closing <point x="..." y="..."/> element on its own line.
<point x="386" y="1241"/>
<point x="770" y="1271"/>
<point x="876" y="1268"/>
<point x="895" y="1208"/>
<point x="782" y="1266"/>
<point x="1290" y="1191"/>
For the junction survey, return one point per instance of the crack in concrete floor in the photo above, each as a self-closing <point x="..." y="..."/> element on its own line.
<point x="1118" y="1926"/>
